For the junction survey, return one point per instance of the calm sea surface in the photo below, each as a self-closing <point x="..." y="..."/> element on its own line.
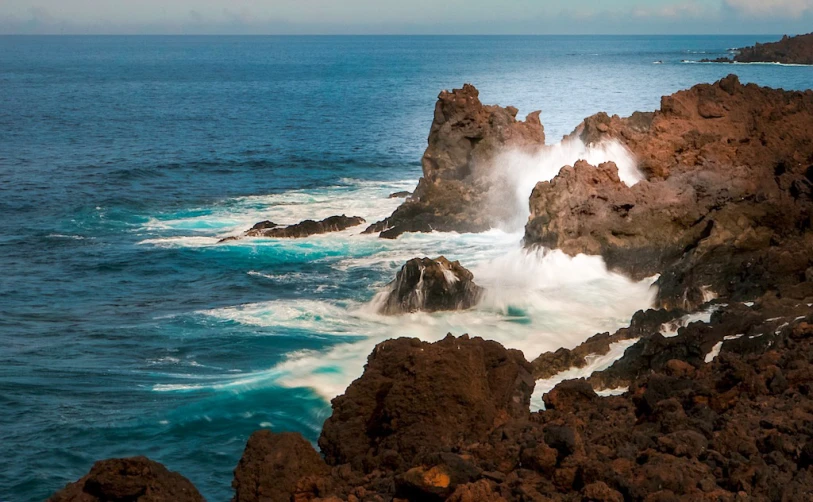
<point x="126" y="329"/>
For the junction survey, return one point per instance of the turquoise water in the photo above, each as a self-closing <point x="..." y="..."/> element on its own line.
<point x="126" y="329"/>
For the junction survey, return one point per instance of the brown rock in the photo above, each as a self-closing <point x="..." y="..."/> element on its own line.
<point x="136" y="479"/>
<point x="274" y="466"/>
<point x="726" y="204"/>
<point x="430" y="285"/>
<point x="416" y="397"/>
<point x="465" y="138"/>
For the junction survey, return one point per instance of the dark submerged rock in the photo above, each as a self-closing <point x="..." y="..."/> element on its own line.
<point x="429" y="285"/>
<point x="302" y="229"/>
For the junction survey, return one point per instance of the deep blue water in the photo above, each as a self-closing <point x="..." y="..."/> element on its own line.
<point x="124" y="328"/>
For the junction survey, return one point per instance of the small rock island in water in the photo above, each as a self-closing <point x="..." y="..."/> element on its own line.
<point x="789" y="50"/>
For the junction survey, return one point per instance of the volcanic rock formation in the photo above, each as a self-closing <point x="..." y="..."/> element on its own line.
<point x="725" y="209"/>
<point x="136" y="479"/>
<point x="429" y="285"/>
<point x="720" y="409"/>
<point x="789" y="50"/>
<point x="465" y="137"/>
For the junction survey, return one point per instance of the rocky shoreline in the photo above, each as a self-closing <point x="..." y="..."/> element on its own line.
<point x="789" y="50"/>
<point x="717" y="406"/>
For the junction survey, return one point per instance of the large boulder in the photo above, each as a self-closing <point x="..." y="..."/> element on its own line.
<point x="136" y="479"/>
<point x="417" y="398"/>
<point x="275" y="467"/>
<point x="465" y="138"/>
<point x="726" y="206"/>
<point x="429" y="285"/>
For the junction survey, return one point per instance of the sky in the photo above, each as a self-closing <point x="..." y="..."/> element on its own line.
<point x="406" y="16"/>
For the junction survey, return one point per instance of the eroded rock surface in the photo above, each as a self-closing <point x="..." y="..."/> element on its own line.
<point x="464" y="139"/>
<point x="276" y="466"/>
<point x="136" y="479"/>
<point x="428" y="285"/>
<point x="726" y="206"/>
<point x="418" y="398"/>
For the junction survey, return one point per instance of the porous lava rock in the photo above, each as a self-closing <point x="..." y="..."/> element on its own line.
<point x="428" y="285"/>
<point x="464" y="140"/>
<point x="417" y="398"/>
<point x="725" y="207"/>
<point x="136" y="479"/>
<point x="275" y="467"/>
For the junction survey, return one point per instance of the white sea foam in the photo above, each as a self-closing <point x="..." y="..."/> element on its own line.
<point x="595" y="363"/>
<point x="715" y="351"/>
<point x="358" y="198"/>
<point x="515" y="173"/>
<point x="757" y="63"/>
<point x="670" y="329"/>
<point x="536" y="302"/>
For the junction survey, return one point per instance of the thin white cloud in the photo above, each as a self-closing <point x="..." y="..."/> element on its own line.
<point x="689" y="9"/>
<point x="774" y="8"/>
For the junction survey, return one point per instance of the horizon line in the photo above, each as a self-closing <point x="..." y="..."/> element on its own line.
<point x="392" y="34"/>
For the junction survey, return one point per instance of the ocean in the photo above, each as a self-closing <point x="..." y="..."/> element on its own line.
<point x="126" y="329"/>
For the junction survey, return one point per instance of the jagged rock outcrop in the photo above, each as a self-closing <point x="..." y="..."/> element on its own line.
<point x="643" y="325"/>
<point x="302" y="229"/>
<point x="726" y="207"/>
<point x="136" y="479"/>
<point x="428" y="285"/>
<point x="464" y="139"/>
<point x="789" y="50"/>
<point x="450" y="421"/>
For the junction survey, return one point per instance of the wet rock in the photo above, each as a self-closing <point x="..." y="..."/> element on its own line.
<point x="725" y="206"/>
<point x="643" y="325"/>
<point x="263" y="225"/>
<point x="464" y="141"/>
<point x="400" y="195"/>
<point x="136" y="479"/>
<point x="273" y="467"/>
<point x="418" y="398"/>
<point x="310" y="227"/>
<point x="430" y="285"/>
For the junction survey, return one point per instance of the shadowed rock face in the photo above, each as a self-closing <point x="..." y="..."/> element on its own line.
<point x="430" y="285"/>
<point x="136" y="479"/>
<point x="789" y="50"/>
<point x="464" y="139"/>
<point x="726" y="206"/>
